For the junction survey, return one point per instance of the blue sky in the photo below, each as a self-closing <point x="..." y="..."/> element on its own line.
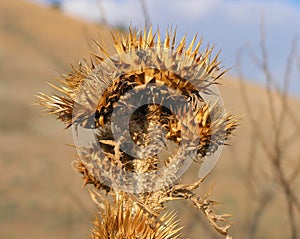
<point x="232" y="25"/>
<point x="294" y="2"/>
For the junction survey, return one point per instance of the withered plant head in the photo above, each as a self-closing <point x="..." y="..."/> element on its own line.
<point x="147" y="107"/>
<point x="123" y="218"/>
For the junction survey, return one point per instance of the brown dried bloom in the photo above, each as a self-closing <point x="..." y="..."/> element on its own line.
<point x="125" y="219"/>
<point x="140" y="118"/>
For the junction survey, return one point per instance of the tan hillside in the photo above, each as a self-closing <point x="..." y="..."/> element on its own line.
<point x="40" y="194"/>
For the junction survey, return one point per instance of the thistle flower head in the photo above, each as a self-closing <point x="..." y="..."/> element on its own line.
<point x="123" y="218"/>
<point x="139" y="118"/>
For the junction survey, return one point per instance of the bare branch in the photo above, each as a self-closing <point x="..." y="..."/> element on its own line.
<point x="146" y="14"/>
<point x="102" y="12"/>
<point x="276" y="149"/>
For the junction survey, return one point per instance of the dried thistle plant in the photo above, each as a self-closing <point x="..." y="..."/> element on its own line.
<point x="146" y="111"/>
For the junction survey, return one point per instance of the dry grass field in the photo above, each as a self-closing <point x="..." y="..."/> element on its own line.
<point x="40" y="194"/>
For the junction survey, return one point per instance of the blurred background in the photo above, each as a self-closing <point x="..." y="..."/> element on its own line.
<point x="257" y="178"/>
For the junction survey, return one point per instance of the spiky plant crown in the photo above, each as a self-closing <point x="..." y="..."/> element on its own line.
<point x="123" y="218"/>
<point x="172" y="123"/>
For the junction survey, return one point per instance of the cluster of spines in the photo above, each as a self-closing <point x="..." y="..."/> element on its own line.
<point x="181" y="68"/>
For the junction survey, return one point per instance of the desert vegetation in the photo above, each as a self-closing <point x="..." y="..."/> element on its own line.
<point x="160" y="85"/>
<point x="256" y="179"/>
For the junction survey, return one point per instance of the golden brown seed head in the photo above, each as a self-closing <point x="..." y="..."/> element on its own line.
<point x="123" y="218"/>
<point x="152" y="96"/>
